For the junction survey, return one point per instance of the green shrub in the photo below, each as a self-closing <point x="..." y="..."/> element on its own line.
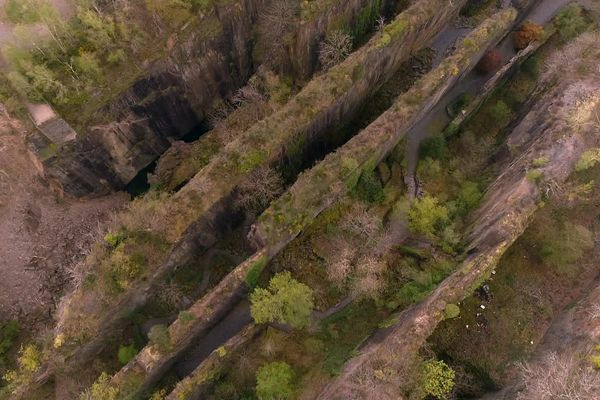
<point x="159" y="395"/>
<point x="274" y="381"/>
<point x="540" y="162"/>
<point x="469" y="196"/>
<point x="369" y="188"/>
<point x="563" y="245"/>
<point x="29" y="362"/>
<point x="125" y="268"/>
<point x="9" y="331"/>
<point x="160" y="337"/>
<point x="569" y="22"/>
<point x="437" y="379"/>
<point x="426" y="216"/>
<point x="430" y="171"/>
<point x="433" y="147"/>
<point x="116" y="57"/>
<point x="588" y="159"/>
<point x="253" y="274"/>
<point x="114" y="239"/>
<point x="101" y="390"/>
<point x="186" y="317"/>
<point x="534" y="176"/>
<point x="451" y="311"/>
<point x="459" y="104"/>
<point x="26" y="11"/>
<point x="126" y="353"/>
<point x="531" y="66"/>
<point x="500" y="112"/>
<point x="595" y="359"/>
<point x="286" y="300"/>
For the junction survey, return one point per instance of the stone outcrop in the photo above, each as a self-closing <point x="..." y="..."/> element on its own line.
<point x="365" y="151"/>
<point x="207" y="61"/>
<point x="557" y="127"/>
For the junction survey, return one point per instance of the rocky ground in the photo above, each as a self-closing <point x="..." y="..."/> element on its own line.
<point x="44" y="235"/>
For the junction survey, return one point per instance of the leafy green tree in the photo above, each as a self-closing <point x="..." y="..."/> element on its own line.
<point x="9" y="332"/>
<point x="98" y="30"/>
<point x="500" y="112"/>
<point x="88" y="66"/>
<point x="274" y="381"/>
<point x="433" y="147"/>
<point x="566" y="244"/>
<point x="437" y="379"/>
<point x="285" y="300"/>
<point x="126" y="353"/>
<point x="426" y="216"/>
<point x="29" y="361"/>
<point x="469" y="196"/>
<point x="159" y="336"/>
<point x="26" y="11"/>
<point x="569" y="22"/>
<point x="369" y="188"/>
<point x="101" y="390"/>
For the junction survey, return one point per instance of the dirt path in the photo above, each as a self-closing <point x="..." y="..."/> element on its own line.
<point x="42" y="236"/>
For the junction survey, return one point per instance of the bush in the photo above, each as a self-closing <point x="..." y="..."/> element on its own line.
<point x="9" y="331"/>
<point x="125" y="268"/>
<point x="426" y="216"/>
<point x="29" y="362"/>
<point x="468" y="197"/>
<point x="588" y="159"/>
<point x="531" y="66"/>
<point x="286" y="300"/>
<point x="101" y="390"/>
<point x="437" y="379"/>
<point x="186" y="317"/>
<point x="369" y="188"/>
<point x="25" y="11"/>
<point x="274" y="381"/>
<point x="569" y="22"/>
<point x="529" y="32"/>
<point x="563" y="245"/>
<point x="160" y="337"/>
<point x="451" y="311"/>
<point x="500" y="112"/>
<point x="534" y="176"/>
<point x="490" y="61"/>
<point x="334" y="49"/>
<point x="126" y="353"/>
<point x="434" y="147"/>
<point x="540" y="162"/>
<point x="114" y="239"/>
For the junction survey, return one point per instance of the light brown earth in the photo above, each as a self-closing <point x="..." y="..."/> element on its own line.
<point x="42" y="235"/>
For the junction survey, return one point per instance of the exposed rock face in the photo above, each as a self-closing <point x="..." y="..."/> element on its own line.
<point x="164" y="105"/>
<point x="557" y="127"/>
<point x="372" y="143"/>
<point x="176" y="93"/>
<point x="43" y="236"/>
<point x="199" y="213"/>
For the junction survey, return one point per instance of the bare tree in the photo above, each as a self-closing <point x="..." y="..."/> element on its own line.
<point x="276" y="23"/>
<point x="334" y="49"/>
<point x="340" y="268"/>
<point x="361" y="222"/>
<point x="559" y="377"/>
<point x="257" y="192"/>
<point x="369" y="281"/>
<point x="380" y="24"/>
